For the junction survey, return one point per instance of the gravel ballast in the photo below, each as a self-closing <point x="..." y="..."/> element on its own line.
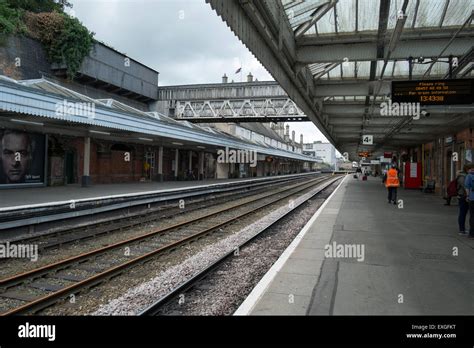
<point x="249" y="266"/>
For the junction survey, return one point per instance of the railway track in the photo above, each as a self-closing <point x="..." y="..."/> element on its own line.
<point x="72" y="235"/>
<point x="42" y="287"/>
<point x="174" y="294"/>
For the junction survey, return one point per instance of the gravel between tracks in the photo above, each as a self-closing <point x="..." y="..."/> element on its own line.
<point x="13" y="266"/>
<point x="136" y="299"/>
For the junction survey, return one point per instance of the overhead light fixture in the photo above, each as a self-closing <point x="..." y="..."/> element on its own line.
<point x="99" y="132"/>
<point x="200" y="147"/>
<point x="174" y="143"/>
<point x="145" y="139"/>
<point x="27" y="122"/>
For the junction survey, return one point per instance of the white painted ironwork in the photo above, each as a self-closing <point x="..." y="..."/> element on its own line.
<point x="229" y="108"/>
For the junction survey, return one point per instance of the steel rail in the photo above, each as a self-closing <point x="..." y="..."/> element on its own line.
<point x="131" y="218"/>
<point x="47" y="300"/>
<point x="154" y="308"/>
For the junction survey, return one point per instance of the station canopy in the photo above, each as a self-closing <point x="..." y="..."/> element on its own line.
<point x="354" y="49"/>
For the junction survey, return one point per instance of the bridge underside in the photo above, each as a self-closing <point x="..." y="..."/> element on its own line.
<point x="238" y="119"/>
<point x="336" y="60"/>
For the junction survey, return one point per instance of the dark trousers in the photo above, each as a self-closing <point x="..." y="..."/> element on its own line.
<point x="471" y="218"/>
<point x="392" y="194"/>
<point x="463" y="209"/>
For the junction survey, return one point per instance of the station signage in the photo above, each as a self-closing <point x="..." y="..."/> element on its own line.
<point x="364" y="154"/>
<point x="433" y="92"/>
<point x="387" y="155"/>
<point x="368" y="139"/>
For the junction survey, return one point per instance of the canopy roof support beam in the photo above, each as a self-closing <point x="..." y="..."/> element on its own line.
<point x="317" y="15"/>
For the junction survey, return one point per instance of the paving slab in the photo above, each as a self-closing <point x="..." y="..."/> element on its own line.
<point x="410" y="259"/>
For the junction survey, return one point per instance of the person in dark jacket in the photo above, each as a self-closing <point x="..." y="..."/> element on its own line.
<point x="469" y="187"/>
<point x="463" y="204"/>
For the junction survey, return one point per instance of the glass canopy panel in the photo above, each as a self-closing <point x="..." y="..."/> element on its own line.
<point x="438" y="69"/>
<point x="301" y="12"/>
<point x="363" y="69"/>
<point x="395" y="7"/>
<point x="335" y="73"/>
<point x="456" y="13"/>
<point x="346" y="12"/>
<point x="326" y="23"/>
<point x="348" y="70"/>
<point x="401" y="68"/>
<point x="311" y="31"/>
<point x="368" y="15"/>
<point x="429" y="13"/>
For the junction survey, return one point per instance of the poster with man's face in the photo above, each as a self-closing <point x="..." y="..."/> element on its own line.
<point x="22" y="157"/>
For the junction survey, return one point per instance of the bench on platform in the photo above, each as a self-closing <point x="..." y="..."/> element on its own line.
<point x="429" y="186"/>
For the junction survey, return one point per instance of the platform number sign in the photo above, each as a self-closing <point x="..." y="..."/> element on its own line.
<point x="367" y="139"/>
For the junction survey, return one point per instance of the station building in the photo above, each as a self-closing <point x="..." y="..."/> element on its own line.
<point x="103" y="127"/>
<point x="325" y="151"/>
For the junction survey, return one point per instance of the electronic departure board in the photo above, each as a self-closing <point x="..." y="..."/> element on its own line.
<point x="433" y="92"/>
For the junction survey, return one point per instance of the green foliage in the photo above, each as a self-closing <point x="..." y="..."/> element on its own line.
<point x="39" y="5"/>
<point x="10" y="19"/>
<point x="64" y="38"/>
<point x="71" y="46"/>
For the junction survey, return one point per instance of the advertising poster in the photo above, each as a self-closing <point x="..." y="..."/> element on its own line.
<point x="22" y="157"/>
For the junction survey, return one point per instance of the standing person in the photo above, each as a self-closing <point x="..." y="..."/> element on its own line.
<point x="463" y="204"/>
<point x="392" y="183"/>
<point x="469" y="187"/>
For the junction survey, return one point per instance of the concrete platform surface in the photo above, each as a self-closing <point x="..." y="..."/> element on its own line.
<point x="40" y="195"/>
<point x="411" y="260"/>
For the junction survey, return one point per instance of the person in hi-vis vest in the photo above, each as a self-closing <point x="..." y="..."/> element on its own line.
<point x="391" y="183"/>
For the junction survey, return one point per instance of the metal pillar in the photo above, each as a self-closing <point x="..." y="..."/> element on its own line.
<point x="190" y="163"/>
<point x="201" y="166"/>
<point x="176" y="165"/>
<point x="86" y="179"/>
<point x="160" y="163"/>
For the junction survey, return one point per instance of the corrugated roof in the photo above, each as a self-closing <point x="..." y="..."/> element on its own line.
<point x="40" y="98"/>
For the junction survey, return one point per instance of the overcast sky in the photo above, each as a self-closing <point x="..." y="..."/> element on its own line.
<point x="184" y="40"/>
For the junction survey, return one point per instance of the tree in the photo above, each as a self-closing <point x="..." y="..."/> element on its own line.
<point x="39" y="5"/>
<point x="10" y="19"/>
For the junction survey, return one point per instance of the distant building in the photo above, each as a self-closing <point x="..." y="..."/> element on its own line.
<point x="275" y="135"/>
<point x="325" y="151"/>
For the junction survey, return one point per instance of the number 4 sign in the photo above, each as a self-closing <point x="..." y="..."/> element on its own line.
<point x="367" y="139"/>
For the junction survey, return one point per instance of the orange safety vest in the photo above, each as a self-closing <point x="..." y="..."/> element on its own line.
<point x="392" y="178"/>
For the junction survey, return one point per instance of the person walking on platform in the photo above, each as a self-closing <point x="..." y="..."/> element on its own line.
<point x="463" y="204"/>
<point x="469" y="186"/>
<point x="392" y="183"/>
